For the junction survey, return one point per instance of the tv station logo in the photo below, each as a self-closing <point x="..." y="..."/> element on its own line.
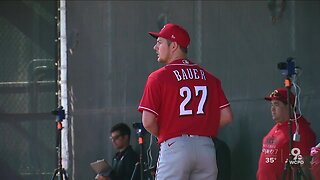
<point x="297" y="157"/>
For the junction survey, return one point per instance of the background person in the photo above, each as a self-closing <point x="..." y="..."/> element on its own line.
<point x="315" y="162"/>
<point x="124" y="160"/>
<point x="275" y="145"/>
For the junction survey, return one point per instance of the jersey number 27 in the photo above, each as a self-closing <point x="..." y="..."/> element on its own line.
<point x="186" y="93"/>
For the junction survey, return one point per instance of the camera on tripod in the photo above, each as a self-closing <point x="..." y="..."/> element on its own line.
<point x="60" y="172"/>
<point x="287" y="68"/>
<point x="60" y="113"/>
<point x="140" y="130"/>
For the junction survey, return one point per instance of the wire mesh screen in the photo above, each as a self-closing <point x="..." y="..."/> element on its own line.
<point x="27" y="89"/>
<point x="110" y="57"/>
<point x="238" y="42"/>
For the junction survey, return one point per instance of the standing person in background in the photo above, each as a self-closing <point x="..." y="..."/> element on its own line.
<point x="315" y="162"/>
<point x="275" y="145"/>
<point x="183" y="105"/>
<point x="124" y="161"/>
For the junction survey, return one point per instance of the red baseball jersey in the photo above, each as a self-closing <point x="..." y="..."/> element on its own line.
<point x="275" y="149"/>
<point x="315" y="163"/>
<point x="185" y="98"/>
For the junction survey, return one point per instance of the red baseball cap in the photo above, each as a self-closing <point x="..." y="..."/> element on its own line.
<point x="281" y="95"/>
<point x="174" y="33"/>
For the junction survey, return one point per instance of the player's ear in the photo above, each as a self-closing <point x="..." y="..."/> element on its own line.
<point x="174" y="45"/>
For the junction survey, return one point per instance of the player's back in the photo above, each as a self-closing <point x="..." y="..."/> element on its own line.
<point x="190" y="100"/>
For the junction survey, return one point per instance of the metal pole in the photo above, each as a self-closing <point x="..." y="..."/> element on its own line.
<point x="63" y="83"/>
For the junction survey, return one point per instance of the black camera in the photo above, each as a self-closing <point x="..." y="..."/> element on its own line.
<point x="140" y="130"/>
<point x="287" y="68"/>
<point x="60" y="113"/>
<point x="137" y="125"/>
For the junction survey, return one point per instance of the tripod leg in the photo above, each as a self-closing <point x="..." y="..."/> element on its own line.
<point x="287" y="173"/>
<point x="54" y="174"/>
<point x="65" y="174"/>
<point x="284" y="175"/>
<point x="62" y="174"/>
<point x="299" y="175"/>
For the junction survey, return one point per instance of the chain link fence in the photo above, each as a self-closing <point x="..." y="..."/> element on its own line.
<point x="27" y="90"/>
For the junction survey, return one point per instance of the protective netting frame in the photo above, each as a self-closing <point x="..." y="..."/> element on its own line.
<point x="27" y="91"/>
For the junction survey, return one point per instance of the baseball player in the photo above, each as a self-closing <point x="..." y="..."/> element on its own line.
<point x="183" y="105"/>
<point x="275" y="146"/>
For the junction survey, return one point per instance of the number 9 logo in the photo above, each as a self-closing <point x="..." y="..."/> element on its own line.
<point x="295" y="152"/>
